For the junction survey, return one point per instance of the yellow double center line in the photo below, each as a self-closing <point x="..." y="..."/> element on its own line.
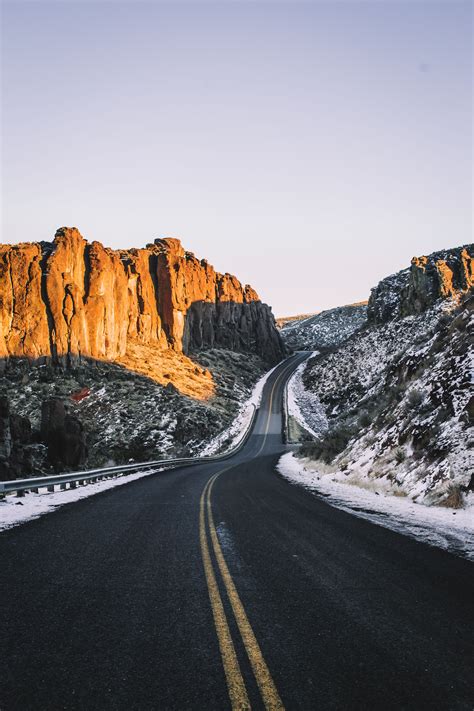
<point x="235" y="682"/>
<point x="270" y="405"/>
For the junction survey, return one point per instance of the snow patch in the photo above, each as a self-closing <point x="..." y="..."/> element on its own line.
<point x="304" y="406"/>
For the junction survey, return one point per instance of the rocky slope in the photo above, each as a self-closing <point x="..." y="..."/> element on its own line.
<point x="110" y="355"/>
<point x="282" y="321"/>
<point x="397" y="395"/>
<point x="94" y="412"/>
<point x="326" y="329"/>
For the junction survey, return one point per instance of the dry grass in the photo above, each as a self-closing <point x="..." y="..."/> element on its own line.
<point x="168" y="366"/>
<point x="454" y="499"/>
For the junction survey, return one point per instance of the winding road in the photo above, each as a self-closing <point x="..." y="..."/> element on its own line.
<point x="223" y="586"/>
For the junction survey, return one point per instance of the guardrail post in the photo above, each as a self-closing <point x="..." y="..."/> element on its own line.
<point x="34" y="490"/>
<point x="51" y="488"/>
<point x="72" y="484"/>
<point x="62" y="487"/>
<point x="20" y="493"/>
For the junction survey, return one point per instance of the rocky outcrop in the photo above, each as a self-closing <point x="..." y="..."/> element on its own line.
<point x="441" y="275"/>
<point x="5" y="434"/>
<point x="16" y="451"/>
<point x="72" y="298"/>
<point x="61" y="438"/>
<point x="64" y="435"/>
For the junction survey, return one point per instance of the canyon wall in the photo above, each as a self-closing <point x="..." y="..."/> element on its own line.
<point x="71" y="298"/>
<point x="440" y="275"/>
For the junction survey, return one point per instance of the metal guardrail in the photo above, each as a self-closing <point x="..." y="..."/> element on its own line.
<point x="91" y="475"/>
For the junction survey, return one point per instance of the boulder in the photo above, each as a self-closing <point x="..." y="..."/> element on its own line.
<point x="5" y="434"/>
<point x="20" y="429"/>
<point x="15" y="438"/>
<point x="63" y="434"/>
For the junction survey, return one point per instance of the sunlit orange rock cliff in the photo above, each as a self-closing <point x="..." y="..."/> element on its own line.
<point x="72" y="298"/>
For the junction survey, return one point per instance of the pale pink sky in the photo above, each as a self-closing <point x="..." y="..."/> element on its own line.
<point x="311" y="148"/>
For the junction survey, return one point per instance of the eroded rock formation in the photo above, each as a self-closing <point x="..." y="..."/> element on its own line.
<point x="72" y="298"/>
<point x="63" y="433"/>
<point x="15" y="441"/>
<point x="441" y="275"/>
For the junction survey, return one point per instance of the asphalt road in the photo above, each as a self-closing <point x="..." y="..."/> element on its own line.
<point x="187" y="590"/>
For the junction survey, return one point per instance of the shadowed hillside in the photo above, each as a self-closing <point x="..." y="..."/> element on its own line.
<point x="117" y="354"/>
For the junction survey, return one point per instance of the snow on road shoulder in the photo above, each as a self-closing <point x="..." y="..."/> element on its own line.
<point x="234" y="433"/>
<point x="14" y="511"/>
<point x="452" y="530"/>
<point x="304" y="406"/>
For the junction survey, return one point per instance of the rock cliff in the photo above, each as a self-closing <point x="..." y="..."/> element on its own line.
<point x="441" y="275"/>
<point x="71" y="298"/>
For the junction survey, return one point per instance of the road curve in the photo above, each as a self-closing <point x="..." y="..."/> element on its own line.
<point x="223" y="586"/>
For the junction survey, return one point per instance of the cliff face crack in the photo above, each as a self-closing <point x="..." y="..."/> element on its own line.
<point x="153" y="270"/>
<point x="68" y="312"/>
<point x="87" y="272"/>
<point x="27" y="293"/>
<point x="140" y="299"/>
<point x="12" y="314"/>
<point x="45" y="253"/>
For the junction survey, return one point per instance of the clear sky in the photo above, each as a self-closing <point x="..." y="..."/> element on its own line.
<point x="310" y="148"/>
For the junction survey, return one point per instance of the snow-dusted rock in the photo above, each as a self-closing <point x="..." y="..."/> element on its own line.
<point x="397" y="394"/>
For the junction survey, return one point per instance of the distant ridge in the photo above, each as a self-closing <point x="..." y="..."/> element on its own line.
<point x="282" y="321"/>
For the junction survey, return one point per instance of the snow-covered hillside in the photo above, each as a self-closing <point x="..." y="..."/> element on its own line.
<point x="326" y="329"/>
<point x="399" y="404"/>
